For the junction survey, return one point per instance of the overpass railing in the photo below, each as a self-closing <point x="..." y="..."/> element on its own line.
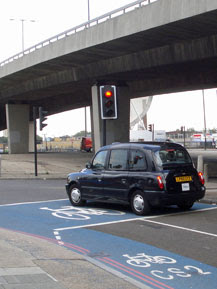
<point x="117" y="12"/>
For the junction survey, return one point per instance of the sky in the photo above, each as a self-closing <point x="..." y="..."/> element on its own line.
<point x="46" y="18"/>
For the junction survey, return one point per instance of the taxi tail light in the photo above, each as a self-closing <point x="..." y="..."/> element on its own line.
<point x="201" y="178"/>
<point x="160" y="182"/>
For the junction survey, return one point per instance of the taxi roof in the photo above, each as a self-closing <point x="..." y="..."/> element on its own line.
<point x="144" y="145"/>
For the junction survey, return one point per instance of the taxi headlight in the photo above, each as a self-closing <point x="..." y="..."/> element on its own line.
<point x="68" y="179"/>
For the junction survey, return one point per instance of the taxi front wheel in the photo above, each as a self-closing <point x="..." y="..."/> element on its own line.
<point x="75" y="196"/>
<point x="139" y="203"/>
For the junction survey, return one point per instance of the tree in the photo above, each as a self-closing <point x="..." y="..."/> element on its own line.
<point x="64" y="137"/>
<point x="39" y="139"/>
<point x="81" y="133"/>
<point x="213" y="130"/>
<point x="191" y="129"/>
<point x="3" y="140"/>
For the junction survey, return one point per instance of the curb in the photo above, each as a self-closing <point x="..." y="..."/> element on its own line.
<point x="208" y="201"/>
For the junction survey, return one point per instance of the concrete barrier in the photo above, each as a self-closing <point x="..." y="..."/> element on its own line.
<point x="206" y="176"/>
<point x="201" y="167"/>
<point x="200" y="164"/>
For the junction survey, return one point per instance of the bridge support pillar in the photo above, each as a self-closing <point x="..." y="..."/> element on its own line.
<point x="17" y="116"/>
<point x="117" y="130"/>
<point x="31" y="137"/>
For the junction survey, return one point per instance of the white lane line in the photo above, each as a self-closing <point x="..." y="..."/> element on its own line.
<point x="100" y="224"/>
<point x="58" y="238"/>
<point x="184" y="212"/>
<point x="200" y="210"/>
<point x="181" y="228"/>
<point x="36" y="202"/>
<point x="130" y="220"/>
<point x="113" y="222"/>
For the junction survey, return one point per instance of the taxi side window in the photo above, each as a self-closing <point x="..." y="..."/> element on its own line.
<point x="137" y="160"/>
<point x="118" y="160"/>
<point x="99" y="161"/>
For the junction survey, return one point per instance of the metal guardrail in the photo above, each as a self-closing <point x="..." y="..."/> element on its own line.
<point x="83" y="26"/>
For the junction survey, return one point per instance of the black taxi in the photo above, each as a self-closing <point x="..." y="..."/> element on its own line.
<point x="144" y="175"/>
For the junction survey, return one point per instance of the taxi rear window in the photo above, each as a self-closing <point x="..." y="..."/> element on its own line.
<point x="172" y="156"/>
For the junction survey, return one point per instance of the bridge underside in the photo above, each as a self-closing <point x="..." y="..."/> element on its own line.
<point x="172" y="56"/>
<point x="167" y="69"/>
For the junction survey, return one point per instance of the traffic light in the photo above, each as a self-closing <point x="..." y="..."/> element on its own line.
<point x="108" y="102"/>
<point x="150" y="127"/>
<point x="182" y="129"/>
<point x="42" y="118"/>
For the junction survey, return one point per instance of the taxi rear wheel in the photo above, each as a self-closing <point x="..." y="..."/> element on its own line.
<point x="75" y="196"/>
<point x="139" y="203"/>
<point x="186" y="205"/>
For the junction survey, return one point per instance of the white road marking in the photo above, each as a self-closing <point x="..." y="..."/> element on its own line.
<point x="29" y="203"/>
<point x="133" y="219"/>
<point x="200" y="210"/>
<point x="58" y="238"/>
<point x="99" y="224"/>
<point x="145" y="219"/>
<point x="181" y="228"/>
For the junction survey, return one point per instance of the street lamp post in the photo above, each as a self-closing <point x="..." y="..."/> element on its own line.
<point x="85" y="109"/>
<point x="88" y="10"/>
<point x="204" y="117"/>
<point x="22" y="26"/>
<point x="22" y="22"/>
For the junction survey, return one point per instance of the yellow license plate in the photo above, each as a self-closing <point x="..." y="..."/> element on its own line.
<point x="183" y="179"/>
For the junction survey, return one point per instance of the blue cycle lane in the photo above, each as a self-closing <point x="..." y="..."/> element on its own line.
<point x="68" y="226"/>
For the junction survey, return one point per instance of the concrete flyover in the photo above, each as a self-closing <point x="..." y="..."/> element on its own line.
<point x="166" y="46"/>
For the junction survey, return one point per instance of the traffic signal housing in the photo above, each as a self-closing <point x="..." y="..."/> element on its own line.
<point x="182" y="129"/>
<point x="150" y="127"/>
<point x="108" y="100"/>
<point x="42" y="118"/>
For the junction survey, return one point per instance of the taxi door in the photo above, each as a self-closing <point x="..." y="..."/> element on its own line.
<point x="91" y="181"/>
<point x="115" y="181"/>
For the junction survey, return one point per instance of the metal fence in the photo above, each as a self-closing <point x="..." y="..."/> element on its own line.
<point x="83" y="26"/>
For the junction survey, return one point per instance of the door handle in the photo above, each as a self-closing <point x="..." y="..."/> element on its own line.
<point x="124" y="181"/>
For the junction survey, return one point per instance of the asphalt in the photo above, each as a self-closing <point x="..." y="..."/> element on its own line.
<point x="27" y="262"/>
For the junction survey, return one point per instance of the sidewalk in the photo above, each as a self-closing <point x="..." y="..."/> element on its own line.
<point x="28" y="262"/>
<point x="49" y="165"/>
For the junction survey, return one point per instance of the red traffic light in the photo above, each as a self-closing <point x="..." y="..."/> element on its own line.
<point x="108" y="101"/>
<point x="108" y="93"/>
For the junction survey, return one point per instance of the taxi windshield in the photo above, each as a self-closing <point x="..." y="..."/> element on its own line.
<point x="172" y="156"/>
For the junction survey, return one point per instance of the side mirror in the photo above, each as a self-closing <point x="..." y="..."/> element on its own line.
<point x="88" y="165"/>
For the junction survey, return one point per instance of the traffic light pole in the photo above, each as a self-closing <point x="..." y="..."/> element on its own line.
<point x="183" y="131"/>
<point x="35" y="140"/>
<point x="184" y="134"/>
<point x="104" y="132"/>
